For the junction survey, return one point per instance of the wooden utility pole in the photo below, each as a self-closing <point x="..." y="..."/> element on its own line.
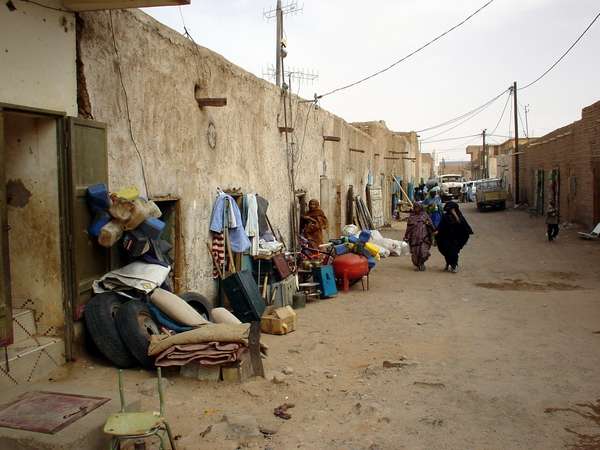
<point x="484" y="155"/>
<point x="279" y="18"/>
<point x="517" y="168"/>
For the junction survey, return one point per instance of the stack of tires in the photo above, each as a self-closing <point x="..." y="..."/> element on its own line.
<point x="121" y="328"/>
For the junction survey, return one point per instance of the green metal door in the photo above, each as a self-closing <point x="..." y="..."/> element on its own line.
<point x="87" y="161"/>
<point x="5" y="304"/>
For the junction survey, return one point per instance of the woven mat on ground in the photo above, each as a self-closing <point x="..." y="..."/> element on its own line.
<point x="217" y="332"/>
<point x="207" y="354"/>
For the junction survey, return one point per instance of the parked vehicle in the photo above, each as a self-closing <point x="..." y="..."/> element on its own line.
<point x="450" y="186"/>
<point x="490" y="193"/>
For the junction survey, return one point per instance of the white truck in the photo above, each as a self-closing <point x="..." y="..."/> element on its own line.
<point x="450" y="186"/>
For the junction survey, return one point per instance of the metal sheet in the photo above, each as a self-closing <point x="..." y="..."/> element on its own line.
<point x="47" y="412"/>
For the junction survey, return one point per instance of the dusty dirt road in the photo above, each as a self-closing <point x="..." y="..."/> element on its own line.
<point x="488" y="350"/>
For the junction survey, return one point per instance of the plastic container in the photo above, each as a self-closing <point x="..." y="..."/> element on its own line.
<point x="110" y="234"/>
<point x="152" y="227"/>
<point x="97" y="197"/>
<point x="351" y="265"/>
<point x="341" y="249"/>
<point x="364" y="236"/>
<point x="101" y="219"/>
<point x="120" y="209"/>
<point x="128" y="193"/>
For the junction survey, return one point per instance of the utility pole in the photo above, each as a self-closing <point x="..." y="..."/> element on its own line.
<point x="279" y="28"/>
<point x="484" y="156"/>
<point x="517" y="166"/>
<point x="526" y="121"/>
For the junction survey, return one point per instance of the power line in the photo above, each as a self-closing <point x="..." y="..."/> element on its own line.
<point x="502" y="115"/>
<point x="409" y="55"/>
<point x="521" y="121"/>
<point x="462" y="116"/>
<point x="44" y="6"/>
<point x="451" y="139"/>
<point x="461" y="122"/>
<point x="563" y="55"/>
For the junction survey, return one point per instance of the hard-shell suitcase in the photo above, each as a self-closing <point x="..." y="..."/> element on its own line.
<point x="326" y="279"/>
<point x="244" y="296"/>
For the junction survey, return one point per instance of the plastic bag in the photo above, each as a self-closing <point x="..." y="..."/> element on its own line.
<point x="350" y="230"/>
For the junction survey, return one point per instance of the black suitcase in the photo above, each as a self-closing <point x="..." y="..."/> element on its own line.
<point x="244" y="296"/>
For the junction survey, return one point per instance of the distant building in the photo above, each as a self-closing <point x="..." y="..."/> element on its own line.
<point x="459" y="167"/>
<point x="497" y="163"/>
<point x="427" y="165"/>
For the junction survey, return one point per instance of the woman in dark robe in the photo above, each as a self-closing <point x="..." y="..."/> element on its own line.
<point x="419" y="235"/>
<point x="452" y="235"/>
<point x="313" y="224"/>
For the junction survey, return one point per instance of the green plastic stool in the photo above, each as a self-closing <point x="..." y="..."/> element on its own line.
<point x="125" y="425"/>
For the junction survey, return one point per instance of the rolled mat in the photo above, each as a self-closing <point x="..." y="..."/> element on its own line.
<point x="217" y="332"/>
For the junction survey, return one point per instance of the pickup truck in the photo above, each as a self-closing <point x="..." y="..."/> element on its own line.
<point x="450" y="186"/>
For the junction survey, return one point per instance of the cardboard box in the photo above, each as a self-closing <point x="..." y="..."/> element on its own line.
<point x="239" y="371"/>
<point x="279" y="320"/>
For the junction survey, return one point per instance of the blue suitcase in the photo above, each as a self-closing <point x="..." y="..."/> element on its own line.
<point x="324" y="276"/>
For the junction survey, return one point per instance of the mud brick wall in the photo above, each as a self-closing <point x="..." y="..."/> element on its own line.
<point x="571" y="149"/>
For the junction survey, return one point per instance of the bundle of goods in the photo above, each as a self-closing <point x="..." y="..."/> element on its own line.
<point x="124" y="215"/>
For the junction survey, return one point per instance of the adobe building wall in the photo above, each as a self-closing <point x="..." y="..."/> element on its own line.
<point x="38" y="46"/>
<point x="572" y="150"/>
<point x="160" y="69"/>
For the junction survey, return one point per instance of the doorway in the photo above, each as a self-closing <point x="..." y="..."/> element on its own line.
<point x="596" y="191"/>
<point x="32" y="211"/>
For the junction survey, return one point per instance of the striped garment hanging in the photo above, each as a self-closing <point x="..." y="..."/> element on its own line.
<point x="218" y="251"/>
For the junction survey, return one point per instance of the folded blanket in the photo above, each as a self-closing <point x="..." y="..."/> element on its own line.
<point x="207" y="354"/>
<point x="214" y="332"/>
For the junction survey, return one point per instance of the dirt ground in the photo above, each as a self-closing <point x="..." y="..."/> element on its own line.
<point x="484" y="353"/>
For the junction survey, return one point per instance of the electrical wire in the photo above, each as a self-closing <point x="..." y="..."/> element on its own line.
<point x="521" y="122"/>
<point x="562" y="56"/>
<point x="379" y="72"/>
<point x="462" y="122"/>
<point x="451" y="139"/>
<point x="510" y="116"/>
<point x="468" y="113"/>
<point x="33" y="2"/>
<point x="112" y="30"/>
<point x="502" y="115"/>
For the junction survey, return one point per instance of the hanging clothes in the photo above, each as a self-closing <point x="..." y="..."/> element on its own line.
<point x="252" y="229"/>
<point x="226" y="214"/>
<point x="218" y="252"/>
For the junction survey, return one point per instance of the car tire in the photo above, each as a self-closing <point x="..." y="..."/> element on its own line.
<point x="199" y="302"/>
<point x="136" y="326"/>
<point x="100" y="321"/>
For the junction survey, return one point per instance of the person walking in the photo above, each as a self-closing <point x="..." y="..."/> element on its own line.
<point x="433" y="206"/>
<point x="452" y="235"/>
<point x="419" y="235"/>
<point x="552" y="221"/>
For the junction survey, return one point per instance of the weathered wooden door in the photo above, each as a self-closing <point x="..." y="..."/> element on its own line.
<point x="87" y="162"/>
<point x="5" y="303"/>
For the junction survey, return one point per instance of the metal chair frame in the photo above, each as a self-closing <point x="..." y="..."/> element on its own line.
<point x="158" y="431"/>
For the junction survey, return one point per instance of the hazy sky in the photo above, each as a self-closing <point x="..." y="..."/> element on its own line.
<point x="344" y="40"/>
